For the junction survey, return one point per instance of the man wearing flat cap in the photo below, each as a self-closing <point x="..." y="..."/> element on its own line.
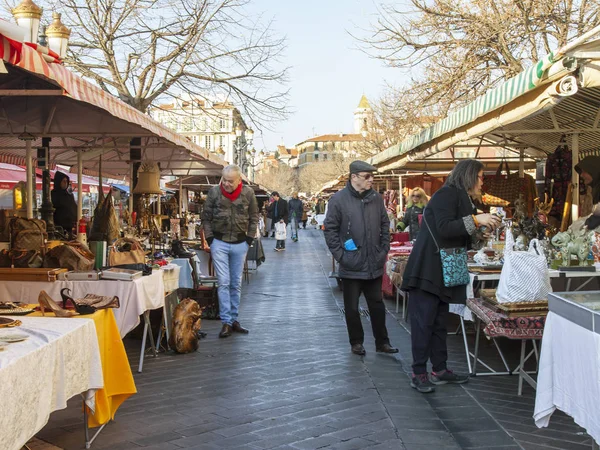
<point x="357" y="234"/>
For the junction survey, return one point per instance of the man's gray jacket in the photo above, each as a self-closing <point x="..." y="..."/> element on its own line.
<point x="363" y="218"/>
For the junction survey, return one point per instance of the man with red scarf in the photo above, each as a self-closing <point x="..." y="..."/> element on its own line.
<point x="230" y="221"/>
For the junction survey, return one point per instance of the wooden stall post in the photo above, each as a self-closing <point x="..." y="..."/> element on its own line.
<point x="30" y="183"/>
<point x="80" y="186"/>
<point x="575" y="176"/>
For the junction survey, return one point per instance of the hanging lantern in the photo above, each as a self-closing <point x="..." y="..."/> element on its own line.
<point x="28" y="16"/>
<point x="148" y="179"/>
<point x="58" y="36"/>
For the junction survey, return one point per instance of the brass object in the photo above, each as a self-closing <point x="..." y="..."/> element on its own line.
<point x="27" y="9"/>
<point x="57" y="28"/>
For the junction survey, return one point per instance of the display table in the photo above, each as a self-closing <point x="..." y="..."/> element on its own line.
<point x="60" y="359"/>
<point x="171" y="277"/>
<point x="569" y="375"/>
<point x="136" y="297"/>
<point x="186" y="274"/>
<point x="116" y="371"/>
<point x="498" y="324"/>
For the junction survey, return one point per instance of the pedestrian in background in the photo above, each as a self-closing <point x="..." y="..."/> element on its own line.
<point x="280" y="235"/>
<point x="296" y="210"/>
<point x="417" y="200"/>
<point x="358" y="236"/>
<point x="230" y="221"/>
<point x="450" y="221"/>
<point x="278" y="210"/>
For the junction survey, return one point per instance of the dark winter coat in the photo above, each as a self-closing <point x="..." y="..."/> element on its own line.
<point x="591" y="165"/>
<point x="296" y="207"/>
<point x="229" y="221"/>
<point x="63" y="201"/>
<point x="282" y="210"/>
<point x="363" y="218"/>
<point x="411" y="220"/>
<point x="449" y="215"/>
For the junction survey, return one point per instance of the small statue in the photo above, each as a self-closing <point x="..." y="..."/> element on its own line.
<point x="520" y="209"/>
<point x="521" y="243"/>
<point x="577" y="244"/>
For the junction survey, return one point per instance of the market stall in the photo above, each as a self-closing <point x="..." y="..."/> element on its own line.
<point x="41" y="356"/>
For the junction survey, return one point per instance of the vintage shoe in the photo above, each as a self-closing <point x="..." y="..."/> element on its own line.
<point x="386" y="348"/>
<point x="225" y="331"/>
<point x="235" y="326"/>
<point x="358" y="349"/>
<point x="82" y="309"/>
<point x="46" y="303"/>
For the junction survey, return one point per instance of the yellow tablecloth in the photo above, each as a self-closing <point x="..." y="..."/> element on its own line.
<point x="118" y="379"/>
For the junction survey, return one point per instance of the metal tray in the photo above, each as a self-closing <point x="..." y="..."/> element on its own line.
<point x="582" y="308"/>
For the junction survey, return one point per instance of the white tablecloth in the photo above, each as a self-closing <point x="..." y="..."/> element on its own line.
<point x="569" y="375"/>
<point x="186" y="277"/>
<point x="135" y="296"/>
<point x="60" y="359"/>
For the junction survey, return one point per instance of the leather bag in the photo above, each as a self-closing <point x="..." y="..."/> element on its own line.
<point x="27" y="234"/>
<point x="126" y="251"/>
<point x="21" y="259"/>
<point x="504" y="189"/>
<point x="72" y="255"/>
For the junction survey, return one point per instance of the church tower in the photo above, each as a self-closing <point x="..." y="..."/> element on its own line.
<point x="363" y="116"/>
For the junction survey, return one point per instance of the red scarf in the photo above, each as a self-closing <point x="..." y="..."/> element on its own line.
<point x="235" y="194"/>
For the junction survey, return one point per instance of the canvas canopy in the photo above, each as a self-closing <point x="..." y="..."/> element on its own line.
<point x="529" y="113"/>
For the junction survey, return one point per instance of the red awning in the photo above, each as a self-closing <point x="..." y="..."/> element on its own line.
<point x="11" y="174"/>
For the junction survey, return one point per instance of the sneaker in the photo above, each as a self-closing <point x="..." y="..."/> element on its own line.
<point x="447" y="376"/>
<point x="421" y="383"/>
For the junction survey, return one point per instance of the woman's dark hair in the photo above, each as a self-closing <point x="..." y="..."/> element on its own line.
<point x="465" y="173"/>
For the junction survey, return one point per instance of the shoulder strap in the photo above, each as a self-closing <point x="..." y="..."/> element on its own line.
<point x="430" y="232"/>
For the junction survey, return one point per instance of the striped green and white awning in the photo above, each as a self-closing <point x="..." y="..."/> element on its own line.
<point x="493" y="99"/>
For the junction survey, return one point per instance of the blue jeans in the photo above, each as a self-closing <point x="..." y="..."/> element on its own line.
<point x="228" y="260"/>
<point x="294" y="227"/>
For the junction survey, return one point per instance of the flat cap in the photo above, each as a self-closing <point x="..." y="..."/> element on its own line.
<point x="361" y="166"/>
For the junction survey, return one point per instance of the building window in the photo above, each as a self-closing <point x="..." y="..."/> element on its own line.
<point x="207" y="142"/>
<point x="316" y="155"/>
<point x="223" y="124"/>
<point x="221" y="139"/>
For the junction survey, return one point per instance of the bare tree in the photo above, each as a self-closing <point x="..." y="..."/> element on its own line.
<point x="279" y="178"/>
<point x="143" y="50"/>
<point x="461" y="48"/>
<point x="312" y="177"/>
<point x="394" y="118"/>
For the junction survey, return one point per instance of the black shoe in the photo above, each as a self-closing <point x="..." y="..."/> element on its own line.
<point x="421" y="383"/>
<point x="358" y="349"/>
<point x="225" y="331"/>
<point x="386" y="348"/>
<point x="447" y="376"/>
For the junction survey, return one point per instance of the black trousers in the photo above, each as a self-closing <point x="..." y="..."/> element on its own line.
<point x="428" y="315"/>
<point x="372" y="292"/>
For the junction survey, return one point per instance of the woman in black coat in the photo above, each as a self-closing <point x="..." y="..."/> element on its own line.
<point x="451" y="217"/>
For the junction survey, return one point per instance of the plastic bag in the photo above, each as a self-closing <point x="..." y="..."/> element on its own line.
<point x="525" y="276"/>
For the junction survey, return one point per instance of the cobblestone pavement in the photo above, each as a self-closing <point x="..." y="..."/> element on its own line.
<point x="292" y="383"/>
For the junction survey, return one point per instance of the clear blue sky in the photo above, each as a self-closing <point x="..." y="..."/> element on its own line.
<point x="328" y="73"/>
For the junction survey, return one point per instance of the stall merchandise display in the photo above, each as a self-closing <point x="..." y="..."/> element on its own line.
<point x="121" y="274"/>
<point x="581" y="308"/>
<point x="41" y="274"/>
<point x="126" y="251"/>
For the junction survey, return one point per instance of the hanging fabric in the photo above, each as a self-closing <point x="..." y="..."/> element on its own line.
<point x="558" y="178"/>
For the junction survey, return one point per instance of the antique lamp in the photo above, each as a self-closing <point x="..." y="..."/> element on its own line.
<point x="58" y="36"/>
<point x="28" y="16"/>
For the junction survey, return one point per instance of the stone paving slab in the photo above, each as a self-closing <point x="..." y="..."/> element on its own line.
<point x="293" y="383"/>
